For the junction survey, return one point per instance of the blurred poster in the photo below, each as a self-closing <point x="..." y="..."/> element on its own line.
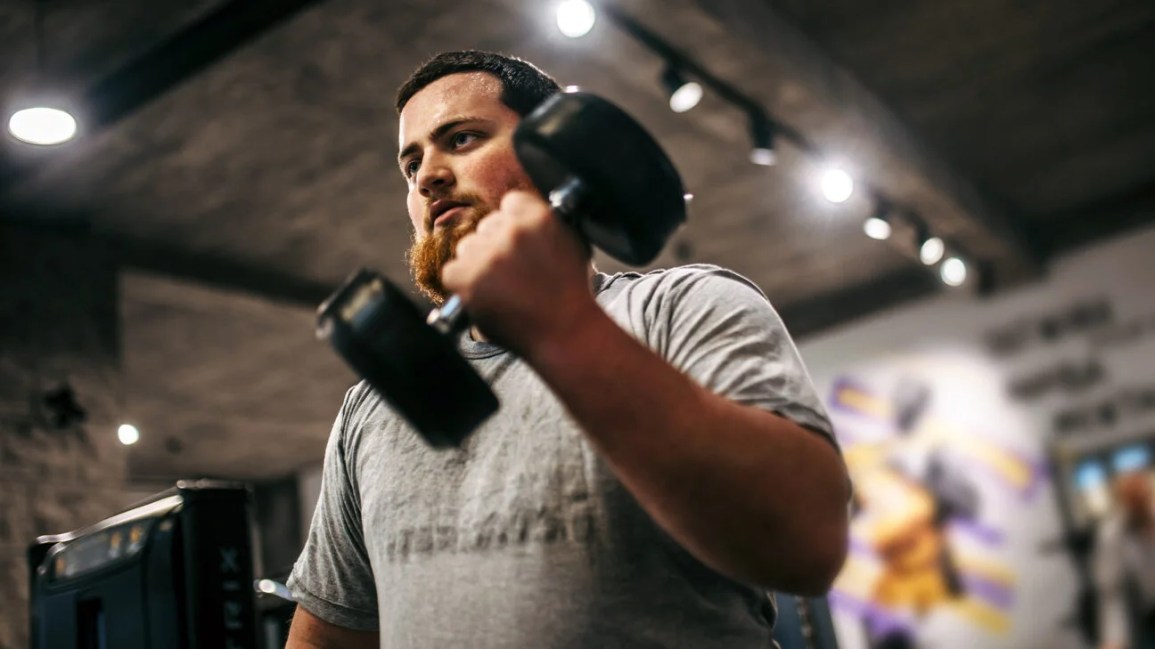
<point x="934" y="497"/>
<point x="982" y="435"/>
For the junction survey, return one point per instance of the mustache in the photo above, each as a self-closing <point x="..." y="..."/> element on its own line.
<point x="466" y="199"/>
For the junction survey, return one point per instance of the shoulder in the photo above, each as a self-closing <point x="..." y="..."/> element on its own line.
<point x="697" y="281"/>
<point x="357" y="398"/>
<point x="359" y="404"/>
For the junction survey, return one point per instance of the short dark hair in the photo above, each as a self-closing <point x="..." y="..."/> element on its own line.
<point x="523" y="85"/>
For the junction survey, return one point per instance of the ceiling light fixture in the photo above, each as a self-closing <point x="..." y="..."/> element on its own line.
<point x="953" y="271"/>
<point x="683" y="94"/>
<point x="575" y="18"/>
<point x="35" y="124"/>
<point x="128" y="434"/>
<point x="762" y="138"/>
<point x="930" y="249"/>
<point x="837" y="185"/>
<point x="877" y="226"/>
<point x="42" y="125"/>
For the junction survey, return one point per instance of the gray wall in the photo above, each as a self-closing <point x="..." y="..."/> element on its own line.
<point x="58" y="326"/>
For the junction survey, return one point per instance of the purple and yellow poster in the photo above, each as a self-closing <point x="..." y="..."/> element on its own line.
<point x="941" y="501"/>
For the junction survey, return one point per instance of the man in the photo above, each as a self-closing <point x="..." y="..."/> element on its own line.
<point x="659" y="461"/>
<point x="1124" y="566"/>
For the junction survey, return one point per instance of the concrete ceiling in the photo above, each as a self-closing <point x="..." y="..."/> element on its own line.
<point x="240" y="158"/>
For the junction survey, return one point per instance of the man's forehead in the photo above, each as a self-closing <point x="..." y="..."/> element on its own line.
<point x="451" y="96"/>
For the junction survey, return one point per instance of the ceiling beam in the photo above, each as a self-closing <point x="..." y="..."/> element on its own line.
<point x="803" y="318"/>
<point x="175" y="262"/>
<point x="802" y="87"/>
<point x="1131" y="208"/>
<point x="818" y="314"/>
<point x="166" y="66"/>
<point x="219" y="272"/>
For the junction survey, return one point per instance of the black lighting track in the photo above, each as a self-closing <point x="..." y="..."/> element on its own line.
<point x="169" y="64"/>
<point x="724" y="90"/>
<point x="687" y="64"/>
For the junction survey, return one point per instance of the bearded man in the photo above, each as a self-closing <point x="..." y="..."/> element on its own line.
<point x="659" y="463"/>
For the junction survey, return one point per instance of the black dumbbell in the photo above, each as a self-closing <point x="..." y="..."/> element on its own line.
<point x="601" y="172"/>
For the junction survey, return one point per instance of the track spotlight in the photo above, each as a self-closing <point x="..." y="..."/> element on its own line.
<point x="683" y="94"/>
<point x="762" y="141"/>
<point x="41" y="123"/>
<point x="930" y="249"/>
<point x="575" y="18"/>
<point x="128" y="434"/>
<point x="953" y="271"/>
<point x="837" y="185"/>
<point x="878" y="225"/>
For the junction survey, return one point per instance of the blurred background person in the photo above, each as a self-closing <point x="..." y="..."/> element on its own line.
<point x="1124" y="566"/>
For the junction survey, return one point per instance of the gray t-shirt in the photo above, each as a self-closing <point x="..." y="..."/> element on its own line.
<point x="523" y="537"/>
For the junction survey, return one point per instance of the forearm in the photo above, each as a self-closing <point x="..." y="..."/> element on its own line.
<point x="749" y="493"/>
<point x="308" y="631"/>
<point x="1109" y="579"/>
<point x="1113" y="620"/>
<point x="1113" y="628"/>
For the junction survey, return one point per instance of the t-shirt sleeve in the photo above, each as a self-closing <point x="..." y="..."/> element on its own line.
<point x="720" y="329"/>
<point x="333" y="578"/>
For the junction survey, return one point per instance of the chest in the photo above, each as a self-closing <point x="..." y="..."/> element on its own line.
<point x="526" y="476"/>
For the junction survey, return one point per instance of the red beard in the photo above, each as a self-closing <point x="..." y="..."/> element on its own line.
<point x="428" y="255"/>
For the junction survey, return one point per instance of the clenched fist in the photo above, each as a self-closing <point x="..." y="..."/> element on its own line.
<point x="523" y="275"/>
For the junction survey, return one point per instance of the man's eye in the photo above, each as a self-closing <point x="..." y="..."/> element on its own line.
<point x="411" y="168"/>
<point x="462" y="139"/>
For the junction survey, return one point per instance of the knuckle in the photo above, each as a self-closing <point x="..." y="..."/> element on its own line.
<point x="463" y="246"/>
<point x="511" y="199"/>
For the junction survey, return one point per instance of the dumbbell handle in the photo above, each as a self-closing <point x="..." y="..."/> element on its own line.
<point x="451" y="317"/>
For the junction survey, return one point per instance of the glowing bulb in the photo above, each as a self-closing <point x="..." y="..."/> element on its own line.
<point x="876" y="228"/>
<point x="686" y="97"/>
<point x="42" y="125"/>
<point x="763" y="156"/>
<point x="837" y="185"/>
<point x="128" y="434"/>
<point x="575" y="18"/>
<point x="267" y="586"/>
<point x="931" y="250"/>
<point x="953" y="272"/>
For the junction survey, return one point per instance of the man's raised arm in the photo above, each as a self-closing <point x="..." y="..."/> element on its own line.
<point x="311" y="632"/>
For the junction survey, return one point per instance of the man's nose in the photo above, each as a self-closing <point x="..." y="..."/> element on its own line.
<point x="434" y="176"/>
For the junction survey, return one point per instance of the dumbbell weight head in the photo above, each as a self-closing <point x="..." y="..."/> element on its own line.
<point x="632" y="196"/>
<point x="417" y="369"/>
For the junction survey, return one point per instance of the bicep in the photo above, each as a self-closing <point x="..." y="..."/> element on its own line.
<point x="311" y="632"/>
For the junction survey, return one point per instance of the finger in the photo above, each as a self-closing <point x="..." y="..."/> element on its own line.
<point x="465" y="245"/>
<point x="449" y="274"/>
<point x="518" y="202"/>
<point x="489" y="223"/>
